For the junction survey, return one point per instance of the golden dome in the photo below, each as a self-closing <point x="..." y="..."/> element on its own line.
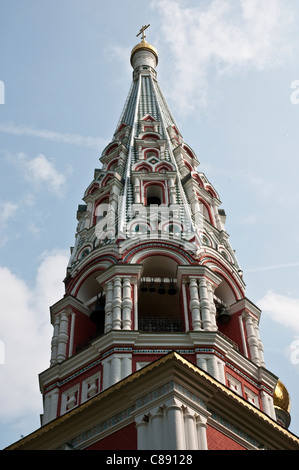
<point x="281" y="397"/>
<point x="143" y="45"/>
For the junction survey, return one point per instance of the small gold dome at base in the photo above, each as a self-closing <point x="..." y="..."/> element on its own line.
<point x="282" y="404"/>
<point x="281" y="397"/>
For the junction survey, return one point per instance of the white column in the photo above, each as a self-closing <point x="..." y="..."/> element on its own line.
<point x="142" y="433"/>
<point x="47" y="405"/>
<point x="204" y="304"/>
<point x="115" y="372"/>
<point x="194" y="304"/>
<point x="252" y="340"/>
<point x="172" y="194"/>
<point x="175" y="426"/>
<point x="126" y="366"/>
<point x="267" y="404"/>
<point x="137" y="191"/>
<point x="201" y="424"/>
<point x="213" y="367"/>
<point x="259" y="343"/>
<point x="157" y="429"/>
<point x="54" y="342"/>
<point x="202" y="362"/>
<point x="108" y="306"/>
<point x="62" y="338"/>
<point x="116" y="304"/>
<point x="221" y="373"/>
<point x="135" y="326"/>
<point x="216" y="215"/>
<point x="194" y="202"/>
<point x="50" y="406"/>
<point x="127" y="305"/>
<point x="112" y="211"/>
<point x="72" y="319"/>
<point x="106" y="373"/>
<point x="190" y="430"/>
<point x="185" y="307"/>
<point x="210" y="288"/>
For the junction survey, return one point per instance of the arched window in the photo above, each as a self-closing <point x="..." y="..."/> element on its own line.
<point x="206" y="211"/>
<point x="101" y="210"/>
<point x="154" y="195"/>
<point x="149" y="153"/>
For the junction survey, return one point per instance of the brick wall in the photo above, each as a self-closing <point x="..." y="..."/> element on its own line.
<point x="219" y="441"/>
<point x="124" y="439"/>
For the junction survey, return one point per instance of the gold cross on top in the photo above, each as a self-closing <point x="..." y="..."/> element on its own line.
<point x="142" y="32"/>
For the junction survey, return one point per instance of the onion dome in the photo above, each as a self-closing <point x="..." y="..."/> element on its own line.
<point x="282" y="404"/>
<point x="144" y="46"/>
<point x="144" y="54"/>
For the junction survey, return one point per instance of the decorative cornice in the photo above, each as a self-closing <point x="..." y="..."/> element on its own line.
<point x="66" y="302"/>
<point x="173" y="359"/>
<point x="120" y="270"/>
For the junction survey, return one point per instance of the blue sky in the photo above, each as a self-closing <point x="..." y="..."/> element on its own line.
<point x="227" y="69"/>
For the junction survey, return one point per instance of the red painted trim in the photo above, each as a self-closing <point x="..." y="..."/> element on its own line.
<point x="164" y="166"/>
<point x="204" y="260"/>
<point x="93" y="188"/>
<point x="110" y="148"/>
<point x="158" y="246"/>
<point x="197" y="178"/>
<point x="147" y="184"/>
<point x="102" y="200"/>
<point x="115" y="160"/>
<point x="211" y="191"/>
<point x="85" y="268"/>
<point x="188" y="165"/>
<point x="143" y="166"/>
<point x="148" y="150"/>
<point x="150" y="136"/>
<point x="208" y="209"/>
<point x="106" y="179"/>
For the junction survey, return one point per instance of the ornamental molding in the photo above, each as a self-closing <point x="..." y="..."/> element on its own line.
<point x="246" y="306"/>
<point x="66" y="304"/>
<point x="120" y="270"/>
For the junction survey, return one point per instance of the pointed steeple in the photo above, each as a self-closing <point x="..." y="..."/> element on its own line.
<point x="151" y="244"/>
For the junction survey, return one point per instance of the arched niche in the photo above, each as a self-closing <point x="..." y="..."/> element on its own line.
<point x="101" y="209"/>
<point x="225" y="293"/>
<point x="89" y="288"/>
<point x="158" y="296"/>
<point x="154" y="195"/>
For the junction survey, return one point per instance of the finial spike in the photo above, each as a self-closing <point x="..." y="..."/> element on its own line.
<point x="142" y="32"/>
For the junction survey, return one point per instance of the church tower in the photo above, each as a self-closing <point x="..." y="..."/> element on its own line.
<point x="155" y="344"/>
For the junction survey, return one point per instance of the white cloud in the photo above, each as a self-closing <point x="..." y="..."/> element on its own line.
<point x="67" y="138"/>
<point x="219" y="37"/>
<point x="40" y="171"/>
<point x="274" y="267"/>
<point x="8" y="209"/>
<point x="26" y="336"/>
<point x="282" y="309"/>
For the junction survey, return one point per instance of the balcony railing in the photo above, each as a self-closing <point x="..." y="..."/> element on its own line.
<point x="160" y="324"/>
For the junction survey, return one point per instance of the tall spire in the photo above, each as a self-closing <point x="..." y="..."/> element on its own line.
<point x="153" y="271"/>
